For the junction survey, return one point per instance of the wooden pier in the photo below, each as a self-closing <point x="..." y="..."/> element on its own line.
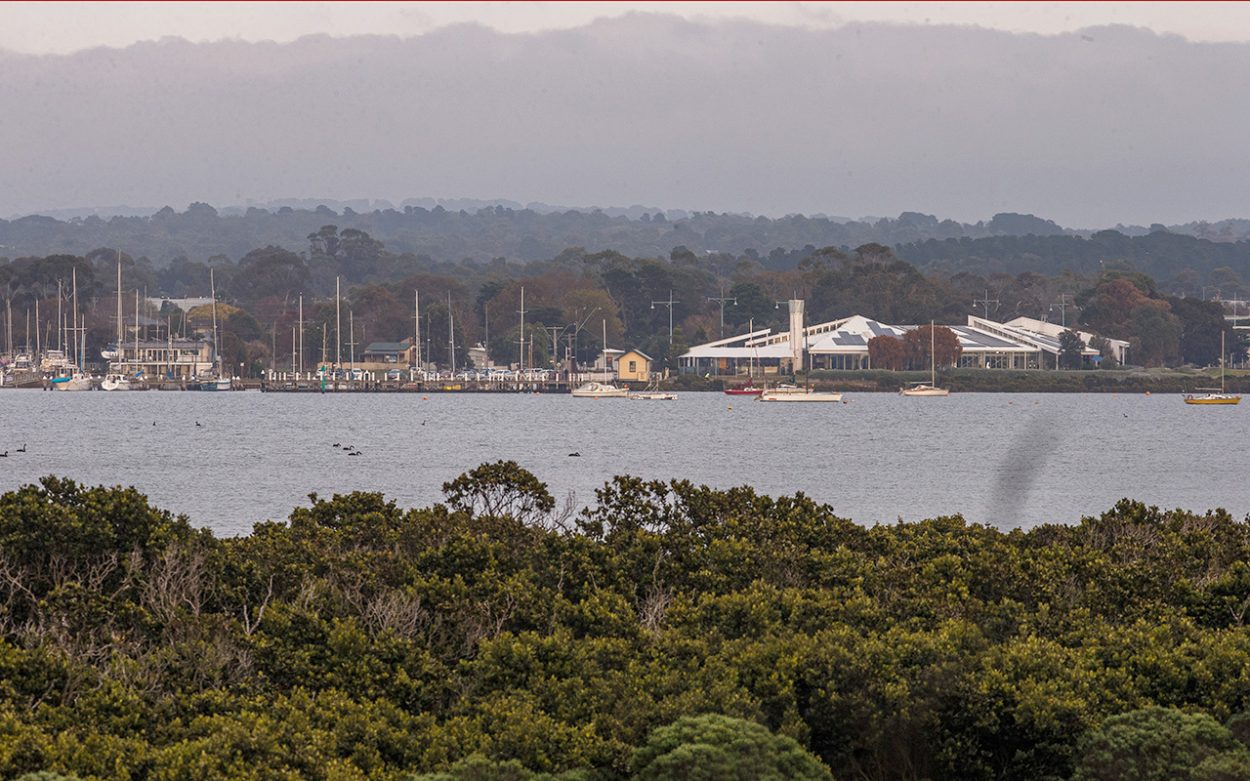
<point x="428" y="386"/>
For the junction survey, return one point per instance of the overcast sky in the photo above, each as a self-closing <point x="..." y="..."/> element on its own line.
<point x="56" y="27"/>
<point x="955" y="109"/>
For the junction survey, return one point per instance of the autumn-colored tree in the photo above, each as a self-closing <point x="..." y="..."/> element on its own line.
<point x="887" y="352"/>
<point x="946" y="347"/>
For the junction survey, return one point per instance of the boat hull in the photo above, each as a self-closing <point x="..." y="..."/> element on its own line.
<point x="1222" y="400"/>
<point x="72" y="384"/>
<point x="653" y="396"/>
<point x="595" y="390"/>
<point x="211" y="385"/>
<point x="743" y="391"/>
<point x="924" y="390"/>
<point x="812" y="397"/>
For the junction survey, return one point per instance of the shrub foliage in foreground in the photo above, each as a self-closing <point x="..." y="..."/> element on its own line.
<point x="493" y="637"/>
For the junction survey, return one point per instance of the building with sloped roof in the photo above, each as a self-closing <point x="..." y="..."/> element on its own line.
<point x="843" y="344"/>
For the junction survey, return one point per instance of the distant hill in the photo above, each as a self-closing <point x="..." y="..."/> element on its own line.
<point x="443" y="234"/>
<point x="1180" y="263"/>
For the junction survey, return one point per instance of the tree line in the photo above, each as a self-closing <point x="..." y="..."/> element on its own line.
<point x="577" y="298"/>
<point x="450" y="235"/>
<point x="666" y="631"/>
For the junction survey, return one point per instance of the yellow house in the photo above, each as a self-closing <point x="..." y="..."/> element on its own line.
<point x="633" y="366"/>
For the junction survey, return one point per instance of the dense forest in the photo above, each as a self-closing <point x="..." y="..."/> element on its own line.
<point x="1182" y="257"/>
<point x="668" y="631"/>
<point x="201" y="232"/>
<point x="584" y="295"/>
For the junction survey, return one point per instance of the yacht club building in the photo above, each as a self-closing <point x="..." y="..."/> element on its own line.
<point x="843" y="344"/>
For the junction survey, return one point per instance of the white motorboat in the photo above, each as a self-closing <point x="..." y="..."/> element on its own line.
<point x="653" y="396"/>
<point x="600" y="390"/>
<point x="115" y="382"/>
<point x="797" y="394"/>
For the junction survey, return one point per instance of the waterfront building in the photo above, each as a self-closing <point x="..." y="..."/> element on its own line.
<point x="633" y="366"/>
<point x="843" y="345"/>
<point x="606" y="361"/>
<point x="480" y="356"/>
<point x="1047" y="334"/>
<point x="388" y="355"/>
<point x="176" y="359"/>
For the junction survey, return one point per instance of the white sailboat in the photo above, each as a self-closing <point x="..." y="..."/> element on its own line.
<point x="216" y="381"/>
<point x="74" y="379"/>
<point x="795" y="394"/>
<point x="1211" y="395"/>
<point x="115" y="380"/>
<point x="931" y="389"/>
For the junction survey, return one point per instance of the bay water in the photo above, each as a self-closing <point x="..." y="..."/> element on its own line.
<point x="228" y="460"/>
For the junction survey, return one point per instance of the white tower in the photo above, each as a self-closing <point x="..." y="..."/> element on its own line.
<point x="798" y="343"/>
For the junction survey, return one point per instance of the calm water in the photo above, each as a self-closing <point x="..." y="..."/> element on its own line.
<point x="1006" y="459"/>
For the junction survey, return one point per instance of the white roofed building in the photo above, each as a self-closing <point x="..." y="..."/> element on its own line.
<point x="1049" y="333"/>
<point x="843" y="344"/>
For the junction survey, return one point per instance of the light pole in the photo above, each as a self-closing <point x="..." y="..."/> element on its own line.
<point x="669" y="303"/>
<point x="722" y="299"/>
<point x="1063" y="309"/>
<point x="579" y="327"/>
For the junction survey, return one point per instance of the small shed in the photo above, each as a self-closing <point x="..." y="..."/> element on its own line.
<point x="633" y="366"/>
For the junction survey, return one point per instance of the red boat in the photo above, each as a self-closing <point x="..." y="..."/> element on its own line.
<point x="744" y="391"/>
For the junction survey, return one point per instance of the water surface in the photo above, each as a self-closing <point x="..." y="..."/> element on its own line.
<point x="1005" y="459"/>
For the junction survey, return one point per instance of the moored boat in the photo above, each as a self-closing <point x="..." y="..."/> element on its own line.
<point x="600" y="390"/>
<point x="930" y="388"/>
<point x="1214" y="396"/>
<point x="792" y="393"/>
<point x="115" y="382"/>
<point x="653" y="396"/>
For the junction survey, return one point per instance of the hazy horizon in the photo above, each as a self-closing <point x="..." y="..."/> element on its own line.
<point x="1114" y="125"/>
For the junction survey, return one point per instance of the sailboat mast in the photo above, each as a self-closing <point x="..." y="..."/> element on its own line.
<point x="522" y="352"/>
<point x="416" y="316"/>
<point x="299" y="368"/>
<point x="932" y="356"/>
<point x="136" y="355"/>
<point x="338" y="325"/>
<point x="451" y="333"/>
<point x="751" y="357"/>
<point x="77" y="357"/>
<point x="38" y="343"/>
<point x="1222" y="354"/>
<point x="212" y="287"/>
<point x="120" y="335"/>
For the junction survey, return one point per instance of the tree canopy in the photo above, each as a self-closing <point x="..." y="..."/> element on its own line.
<point x="667" y="628"/>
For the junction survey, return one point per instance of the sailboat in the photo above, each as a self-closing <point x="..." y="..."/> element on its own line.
<point x="216" y="380"/>
<point x="750" y="388"/>
<point x="1210" y="395"/>
<point x="115" y="380"/>
<point x="73" y="378"/>
<point x="793" y="393"/>
<point x="920" y="388"/>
